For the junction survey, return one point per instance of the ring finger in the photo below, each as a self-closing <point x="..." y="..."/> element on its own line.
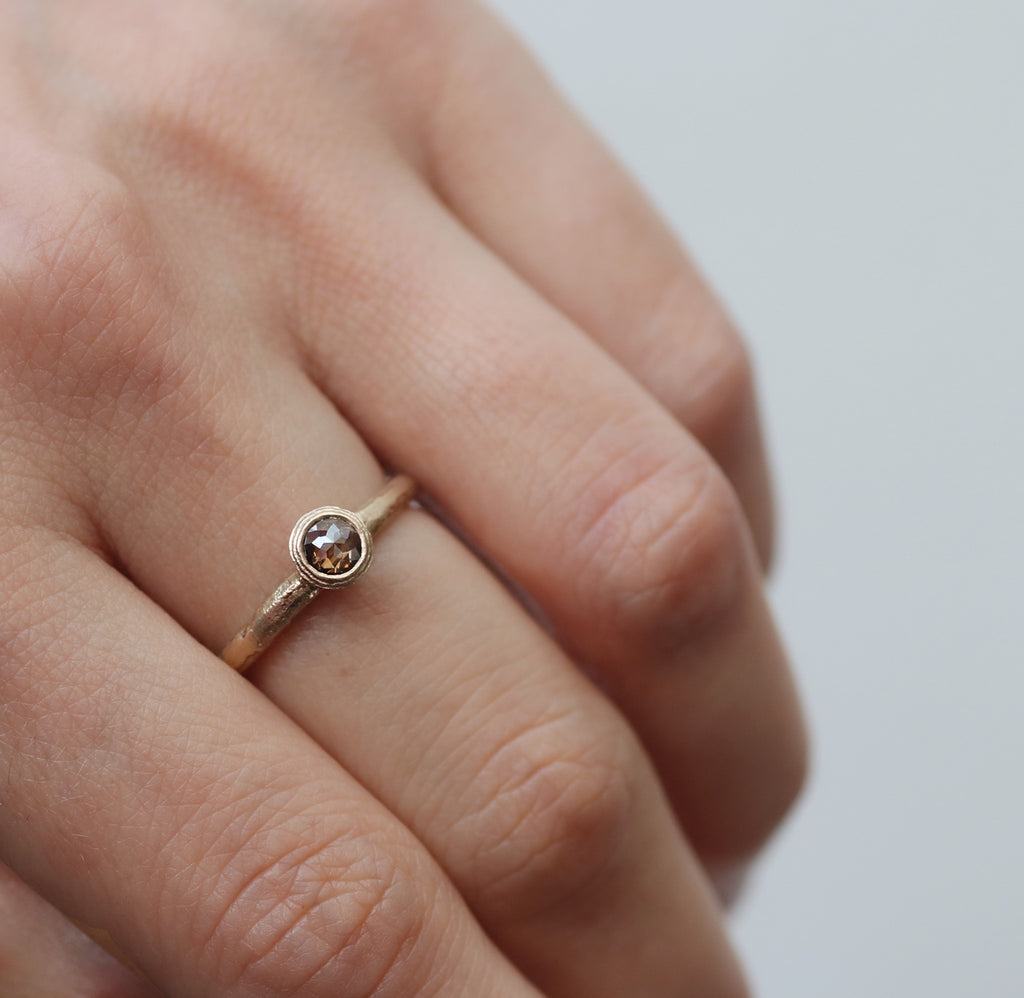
<point x="563" y="471"/>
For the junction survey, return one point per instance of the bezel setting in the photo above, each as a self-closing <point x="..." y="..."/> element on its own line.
<point x="309" y="572"/>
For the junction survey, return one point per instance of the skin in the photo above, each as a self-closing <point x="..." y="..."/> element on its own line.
<point x="251" y="254"/>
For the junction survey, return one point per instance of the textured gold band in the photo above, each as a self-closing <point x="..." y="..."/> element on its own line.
<point x="331" y="548"/>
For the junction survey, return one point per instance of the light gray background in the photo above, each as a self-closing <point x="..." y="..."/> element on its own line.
<point x="851" y="176"/>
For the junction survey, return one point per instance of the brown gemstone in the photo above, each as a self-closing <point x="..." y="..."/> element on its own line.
<point x="332" y="546"/>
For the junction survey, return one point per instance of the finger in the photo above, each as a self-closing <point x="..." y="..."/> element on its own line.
<point x="152" y="793"/>
<point x="520" y="778"/>
<point x="42" y="955"/>
<point x="586" y="492"/>
<point x="432" y="686"/>
<point x="524" y="173"/>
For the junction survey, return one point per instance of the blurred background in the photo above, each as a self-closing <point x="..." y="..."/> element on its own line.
<point x="851" y="177"/>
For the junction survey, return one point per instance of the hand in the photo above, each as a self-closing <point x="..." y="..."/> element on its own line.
<point x="247" y="252"/>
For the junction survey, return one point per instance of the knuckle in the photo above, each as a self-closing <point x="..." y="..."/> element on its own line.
<point x="558" y="812"/>
<point x="740" y="832"/>
<point x="665" y="554"/>
<point x="72" y="245"/>
<point x="722" y="390"/>
<point x="784" y="785"/>
<point x="755" y="787"/>
<point x="715" y="396"/>
<point x="88" y="313"/>
<point x="325" y="913"/>
<point x="78" y="294"/>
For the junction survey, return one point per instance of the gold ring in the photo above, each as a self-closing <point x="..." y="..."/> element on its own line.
<point x="331" y="548"/>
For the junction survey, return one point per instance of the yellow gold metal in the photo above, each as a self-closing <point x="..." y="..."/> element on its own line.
<point x="306" y="583"/>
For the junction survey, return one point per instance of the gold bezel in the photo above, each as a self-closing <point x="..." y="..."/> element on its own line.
<point x="321" y="579"/>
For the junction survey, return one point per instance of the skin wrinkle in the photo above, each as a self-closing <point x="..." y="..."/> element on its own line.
<point x="627" y="509"/>
<point x="511" y="776"/>
<point x="593" y="818"/>
<point x="343" y="939"/>
<point x="700" y="585"/>
<point x="598" y="508"/>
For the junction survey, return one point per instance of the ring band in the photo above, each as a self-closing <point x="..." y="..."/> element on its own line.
<point x="331" y="548"/>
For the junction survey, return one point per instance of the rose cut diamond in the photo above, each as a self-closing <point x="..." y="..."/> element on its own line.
<point x="332" y="546"/>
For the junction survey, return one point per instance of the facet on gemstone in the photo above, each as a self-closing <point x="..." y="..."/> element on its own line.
<point x="332" y="545"/>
